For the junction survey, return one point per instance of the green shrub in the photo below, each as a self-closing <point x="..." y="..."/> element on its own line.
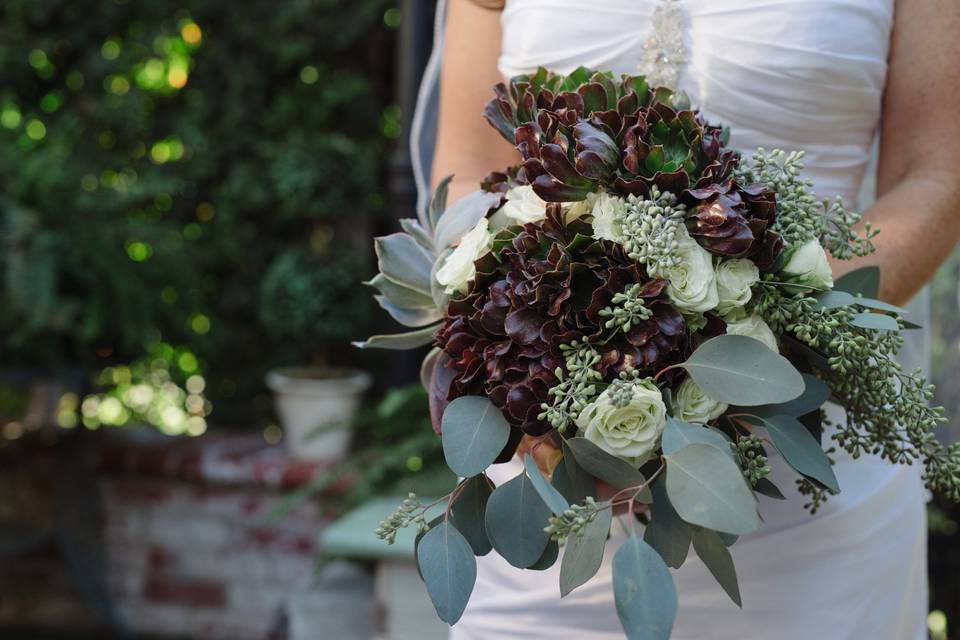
<point x="157" y="159"/>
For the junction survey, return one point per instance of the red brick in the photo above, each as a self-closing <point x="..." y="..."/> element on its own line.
<point x="194" y="592"/>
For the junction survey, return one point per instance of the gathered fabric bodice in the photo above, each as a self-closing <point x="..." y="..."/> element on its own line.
<point x="788" y="74"/>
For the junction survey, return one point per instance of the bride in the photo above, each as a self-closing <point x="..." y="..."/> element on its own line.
<point x="824" y="76"/>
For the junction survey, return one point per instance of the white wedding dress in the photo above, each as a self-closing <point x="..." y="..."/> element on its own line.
<point x="790" y="74"/>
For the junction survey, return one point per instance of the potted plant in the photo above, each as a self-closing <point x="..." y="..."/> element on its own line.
<point x="310" y="297"/>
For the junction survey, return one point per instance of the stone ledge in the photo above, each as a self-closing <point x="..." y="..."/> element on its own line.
<point x="214" y="458"/>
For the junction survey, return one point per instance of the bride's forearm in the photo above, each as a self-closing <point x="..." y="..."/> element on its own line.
<point x="919" y="224"/>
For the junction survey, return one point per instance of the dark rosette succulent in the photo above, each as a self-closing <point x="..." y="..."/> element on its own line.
<point x="584" y="131"/>
<point x="544" y="285"/>
<point x="735" y="221"/>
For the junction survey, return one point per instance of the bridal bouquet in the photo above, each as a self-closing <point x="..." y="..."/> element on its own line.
<point x="660" y="313"/>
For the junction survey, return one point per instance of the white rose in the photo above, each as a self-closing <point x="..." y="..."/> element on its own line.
<point x="524" y="206"/>
<point x="693" y="283"/>
<point x="691" y="404"/>
<point x="809" y="266"/>
<point x="626" y="420"/>
<point x="607" y="212"/>
<point x="458" y="268"/>
<point x="734" y="281"/>
<point x="754" y="327"/>
<point x="574" y="210"/>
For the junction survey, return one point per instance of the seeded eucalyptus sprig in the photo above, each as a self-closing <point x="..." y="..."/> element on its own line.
<point x="887" y="409"/>
<point x="800" y="215"/>
<point x="408" y="512"/>
<point x="754" y="461"/>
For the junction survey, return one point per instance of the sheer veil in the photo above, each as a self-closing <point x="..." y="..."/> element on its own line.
<point x="423" y="131"/>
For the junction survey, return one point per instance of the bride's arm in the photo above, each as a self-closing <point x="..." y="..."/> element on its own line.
<point x="467" y="146"/>
<point x="918" y="211"/>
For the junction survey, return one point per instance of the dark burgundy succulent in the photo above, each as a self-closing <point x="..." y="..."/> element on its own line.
<point x="579" y="132"/>
<point x="736" y="221"/>
<point x="544" y="285"/>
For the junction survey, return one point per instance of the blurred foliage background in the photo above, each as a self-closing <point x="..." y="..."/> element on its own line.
<point x="190" y="181"/>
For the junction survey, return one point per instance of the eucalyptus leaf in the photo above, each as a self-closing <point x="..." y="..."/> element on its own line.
<point x="404" y="261"/>
<point x="416" y="542"/>
<point x="835" y="299"/>
<point x="462" y="216"/>
<point x="584" y="554"/>
<point x="548" y="558"/>
<point x="743" y="371"/>
<point x="715" y="555"/>
<point x="767" y="488"/>
<point x="678" y="434"/>
<point x="400" y="341"/>
<point x="666" y="533"/>
<point x="728" y="538"/>
<point x="706" y="487"/>
<point x="864" y="281"/>
<point x="644" y="592"/>
<point x="410" y="317"/>
<point x="603" y="466"/>
<point x="800" y="449"/>
<point x="400" y="295"/>
<point x="515" y="521"/>
<point x="873" y="303"/>
<point x="547" y="492"/>
<point x="449" y="570"/>
<point x="473" y="433"/>
<point x="875" y="321"/>
<point x="468" y="512"/>
<point x="815" y="395"/>
<point x="572" y="481"/>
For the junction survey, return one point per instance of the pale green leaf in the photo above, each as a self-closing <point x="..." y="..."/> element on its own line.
<point x="400" y="295"/>
<point x="743" y="371"/>
<point x="643" y="591"/>
<point x="449" y="570"/>
<point x="572" y="481"/>
<point x="515" y="521"/>
<point x="473" y="433"/>
<point x="548" y="558"/>
<point x="462" y="216"/>
<point x="678" y="434"/>
<point x="418" y="233"/>
<point x="438" y="203"/>
<point x="468" y="512"/>
<point x="666" y="533"/>
<point x="584" y="554"/>
<point x="409" y="317"/>
<point x="400" y="341"/>
<point x="551" y="497"/>
<point x="875" y="321"/>
<point x="815" y="395"/>
<point x="864" y="281"/>
<point x="800" y="449"/>
<point x="706" y="487"/>
<point x="404" y="261"/>
<point x="715" y="555"/>
<point x="603" y="466"/>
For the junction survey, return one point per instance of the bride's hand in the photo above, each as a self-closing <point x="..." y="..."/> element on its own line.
<point x="546" y="454"/>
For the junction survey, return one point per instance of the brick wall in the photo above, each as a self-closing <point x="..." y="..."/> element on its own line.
<point x="190" y="547"/>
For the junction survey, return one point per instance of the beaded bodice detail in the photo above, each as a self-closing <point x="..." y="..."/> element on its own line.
<point x="664" y="55"/>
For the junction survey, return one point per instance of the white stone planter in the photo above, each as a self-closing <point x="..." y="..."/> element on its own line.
<point x="315" y="407"/>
